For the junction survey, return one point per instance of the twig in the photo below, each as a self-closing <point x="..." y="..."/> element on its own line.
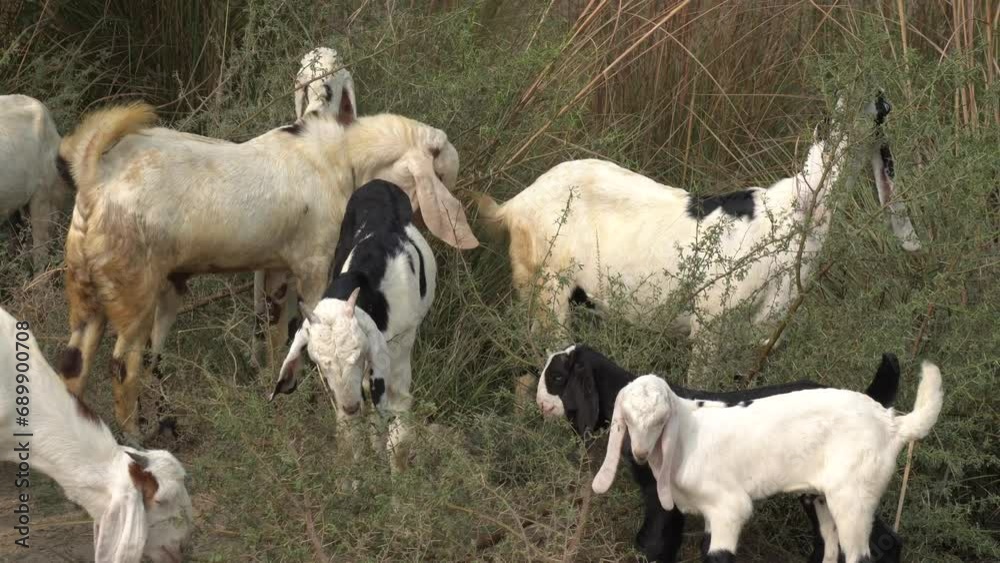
<point x="317" y="542"/>
<point x="215" y="297"/>
<point x="762" y="357"/>
<point x="574" y="544"/>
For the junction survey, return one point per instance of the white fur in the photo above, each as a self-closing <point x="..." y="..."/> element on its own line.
<point x="320" y="69"/>
<point x="159" y="203"/>
<point x="716" y="462"/>
<point x="595" y="225"/>
<point x="83" y="457"/>
<point x="29" y="145"/>
<point x="343" y="340"/>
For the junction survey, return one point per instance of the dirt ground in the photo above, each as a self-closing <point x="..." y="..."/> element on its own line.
<point x="60" y="530"/>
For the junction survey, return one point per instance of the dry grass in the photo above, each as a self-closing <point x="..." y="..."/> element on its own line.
<point x="704" y="95"/>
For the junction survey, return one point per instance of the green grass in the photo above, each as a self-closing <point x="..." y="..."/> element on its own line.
<point x="492" y="482"/>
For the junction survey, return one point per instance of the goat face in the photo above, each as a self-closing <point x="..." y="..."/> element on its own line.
<point x="567" y="387"/>
<point x="150" y="511"/>
<point x="342" y="341"/>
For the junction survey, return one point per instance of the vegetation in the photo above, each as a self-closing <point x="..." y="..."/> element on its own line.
<point x="709" y="96"/>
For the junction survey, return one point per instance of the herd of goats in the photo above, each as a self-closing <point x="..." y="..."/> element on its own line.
<point x="329" y="214"/>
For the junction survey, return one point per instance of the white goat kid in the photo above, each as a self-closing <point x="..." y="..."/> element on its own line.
<point x="323" y="85"/>
<point x="157" y="209"/>
<point x="597" y="225"/>
<point x="717" y="461"/>
<point x="137" y="498"/>
<point x="29" y="150"/>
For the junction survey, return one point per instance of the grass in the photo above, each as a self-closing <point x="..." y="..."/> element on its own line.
<point x="712" y="96"/>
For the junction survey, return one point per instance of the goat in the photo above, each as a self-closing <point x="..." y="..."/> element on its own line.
<point x="383" y="282"/>
<point x="591" y="221"/>
<point x="33" y="174"/>
<point x="322" y="85"/>
<point x="158" y="209"/>
<point x="581" y="384"/>
<point x="716" y="461"/>
<point x="137" y="498"/>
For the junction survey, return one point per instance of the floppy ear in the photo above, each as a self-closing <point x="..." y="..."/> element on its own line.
<point x="347" y="110"/>
<point x="583" y="394"/>
<point x="288" y="376"/>
<point x="606" y="476"/>
<point x="120" y="536"/>
<point x="378" y="357"/>
<point x="666" y="452"/>
<point x="441" y="212"/>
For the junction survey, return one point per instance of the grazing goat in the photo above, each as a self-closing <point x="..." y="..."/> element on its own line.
<point x="323" y="85"/>
<point x="137" y="498"/>
<point x="716" y="461"/>
<point x="384" y="276"/>
<point x="32" y="176"/>
<point x="158" y="209"/>
<point x="582" y="384"/>
<point x="588" y="225"/>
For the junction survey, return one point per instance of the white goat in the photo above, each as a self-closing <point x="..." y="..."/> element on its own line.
<point x="717" y="461"/>
<point x="157" y="209"/>
<point x="598" y="225"/>
<point x="29" y="150"/>
<point x="322" y="85"/>
<point x="383" y="286"/>
<point x="137" y="498"/>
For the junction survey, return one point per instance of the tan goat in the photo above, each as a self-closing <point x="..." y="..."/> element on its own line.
<point x="157" y="209"/>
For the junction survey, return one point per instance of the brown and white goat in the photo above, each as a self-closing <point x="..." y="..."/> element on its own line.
<point x="157" y="209"/>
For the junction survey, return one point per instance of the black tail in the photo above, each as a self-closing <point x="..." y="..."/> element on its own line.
<point x="886" y="383"/>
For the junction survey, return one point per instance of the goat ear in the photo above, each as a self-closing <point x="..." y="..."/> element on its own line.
<point x="667" y="449"/>
<point x="606" y="476"/>
<point x="378" y="358"/>
<point x="347" y="112"/>
<point x="121" y="533"/>
<point x="352" y="302"/>
<point x="583" y="393"/>
<point x="440" y="211"/>
<point x="143" y="480"/>
<point x="288" y="376"/>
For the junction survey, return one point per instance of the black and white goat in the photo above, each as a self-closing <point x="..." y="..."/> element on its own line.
<point x="715" y="462"/>
<point x="586" y="227"/>
<point x="383" y="282"/>
<point x="581" y="384"/>
<point x="137" y="498"/>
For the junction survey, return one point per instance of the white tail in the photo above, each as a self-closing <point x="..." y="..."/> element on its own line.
<point x="926" y="408"/>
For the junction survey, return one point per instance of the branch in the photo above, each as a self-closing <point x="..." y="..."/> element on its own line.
<point x="214" y="297"/>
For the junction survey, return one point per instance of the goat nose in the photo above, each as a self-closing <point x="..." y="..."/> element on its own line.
<point x="352" y="409"/>
<point x="641" y="457"/>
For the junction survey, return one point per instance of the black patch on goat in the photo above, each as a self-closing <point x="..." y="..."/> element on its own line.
<point x="721" y="556"/>
<point x="372" y="233"/>
<point x="737" y="204"/>
<point x="65" y="173"/>
<point x="423" y="273"/>
<point x="607" y="379"/>
<point x="294" y="129"/>
<point x="378" y="390"/>
<point x="579" y="297"/>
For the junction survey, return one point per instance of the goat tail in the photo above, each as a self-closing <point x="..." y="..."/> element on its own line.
<point x="490" y="214"/>
<point x="98" y="132"/>
<point x="927" y="407"/>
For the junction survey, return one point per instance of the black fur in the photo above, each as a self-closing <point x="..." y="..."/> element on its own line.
<point x="722" y="556"/>
<point x="294" y="129"/>
<point x="577" y="376"/>
<point x="737" y="204"/>
<point x="372" y="233"/>
<point x="580" y="297"/>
